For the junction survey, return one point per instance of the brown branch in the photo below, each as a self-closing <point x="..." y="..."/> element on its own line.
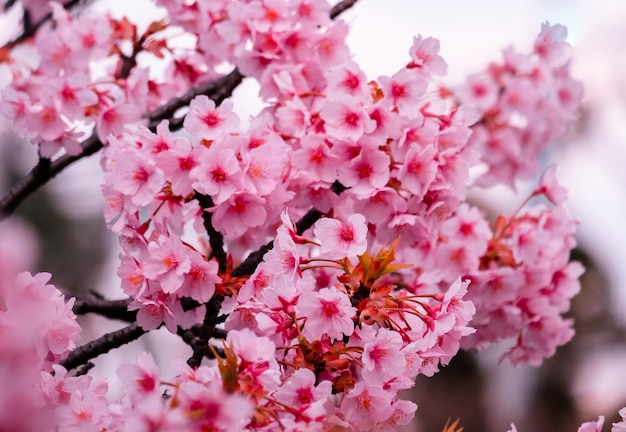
<point x="41" y="174"/>
<point x="216" y="239"/>
<point x="249" y="265"/>
<point x="199" y="346"/>
<point x="112" y="309"/>
<point x="9" y="4"/>
<point x="102" y="345"/>
<point x="198" y="336"/>
<point x="84" y="369"/>
<point x="341" y="7"/>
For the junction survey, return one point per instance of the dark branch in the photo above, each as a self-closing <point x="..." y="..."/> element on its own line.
<point x="112" y="309"/>
<point x="219" y="333"/>
<point x="198" y="336"/>
<point x="341" y="7"/>
<point x="41" y="174"/>
<point x="9" y="4"/>
<point x="84" y="369"/>
<point x="308" y="220"/>
<point x="216" y="239"/>
<point x="102" y="345"/>
<point x="249" y="265"/>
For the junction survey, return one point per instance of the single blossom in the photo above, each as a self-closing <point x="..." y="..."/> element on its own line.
<point x="594" y="426"/>
<point x="342" y="239"/>
<point x="207" y="121"/>
<point x="327" y="312"/>
<point x="550" y="187"/>
<point x="345" y="118"/>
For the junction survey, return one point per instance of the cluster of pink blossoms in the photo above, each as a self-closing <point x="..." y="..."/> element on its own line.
<point x="526" y="301"/>
<point x="317" y="325"/>
<point x="37" y="330"/>
<point x="523" y="104"/>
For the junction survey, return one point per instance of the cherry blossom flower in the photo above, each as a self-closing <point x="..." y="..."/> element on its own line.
<point x="620" y="426"/>
<point x="403" y="90"/>
<point x="382" y="359"/>
<point x="201" y="278"/>
<point x="342" y="239"/>
<point x="284" y="258"/>
<point x="263" y="167"/>
<point x="72" y="95"/>
<point x="208" y="121"/>
<point x="550" y="44"/>
<point x="349" y="79"/>
<point x="212" y="408"/>
<point x="136" y="178"/>
<point x="114" y="119"/>
<point x="142" y="378"/>
<point x="294" y="118"/>
<point x="241" y="211"/>
<point x="46" y="120"/>
<point x="315" y="156"/>
<point x="418" y="170"/>
<point x="403" y="414"/>
<point x="168" y="262"/>
<point x="300" y="389"/>
<point x="366" y="173"/>
<point x="595" y="426"/>
<point x="217" y="173"/>
<point x="36" y="312"/>
<point x="331" y="47"/>
<point x="327" y="312"/>
<point x="325" y="327"/>
<point x="366" y="404"/>
<point x="425" y="56"/>
<point x="345" y="119"/>
<point x="550" y="187"/>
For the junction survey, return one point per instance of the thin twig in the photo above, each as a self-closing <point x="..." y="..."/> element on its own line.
<point x="41" y="174"/>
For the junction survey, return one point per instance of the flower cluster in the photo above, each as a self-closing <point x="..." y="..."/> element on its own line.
<point x="527" y="300"/>
<point x="37" y="330"/>
<point x="523" y="105"/>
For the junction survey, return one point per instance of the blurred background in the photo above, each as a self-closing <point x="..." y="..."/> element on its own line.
<point x="585" y="378"/>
